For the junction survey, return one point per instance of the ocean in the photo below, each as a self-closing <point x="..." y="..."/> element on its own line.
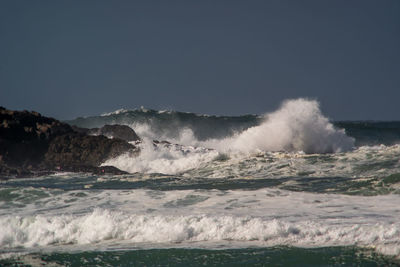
<point x="287" y="188"/>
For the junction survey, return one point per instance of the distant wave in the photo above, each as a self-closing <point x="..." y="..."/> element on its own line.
<point x="116" y="112"/>
<point x="298" y="125"/>
<point x="169" y="125"/>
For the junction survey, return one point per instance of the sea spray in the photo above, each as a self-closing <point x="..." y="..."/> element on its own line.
<point x="298" y="125"/>
<point x="163" y="158"/>
<point x="226" y="194"/>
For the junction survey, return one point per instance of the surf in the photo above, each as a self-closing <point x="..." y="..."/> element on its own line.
<point x="297" y="126"/>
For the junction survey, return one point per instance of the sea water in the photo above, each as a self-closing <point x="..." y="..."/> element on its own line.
<point x="286" y="188"/>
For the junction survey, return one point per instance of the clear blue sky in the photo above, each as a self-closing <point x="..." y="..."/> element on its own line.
<point x="73" y="58"/>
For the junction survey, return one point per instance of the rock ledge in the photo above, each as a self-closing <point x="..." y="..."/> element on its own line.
<point x="32" y="145"/>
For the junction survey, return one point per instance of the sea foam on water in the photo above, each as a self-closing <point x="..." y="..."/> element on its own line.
<point x="297" y="126"/>
<point x="110" y="226"/>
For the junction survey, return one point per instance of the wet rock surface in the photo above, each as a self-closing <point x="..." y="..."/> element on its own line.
<point x="32" y="144"/>
<point x="112" y="131"/>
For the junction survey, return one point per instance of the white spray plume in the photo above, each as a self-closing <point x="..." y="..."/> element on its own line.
<point x="298" y="125"/>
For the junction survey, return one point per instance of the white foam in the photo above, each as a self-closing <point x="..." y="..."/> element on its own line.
<point x="202" y="218"/>
<point x="298" y="125"/>
<point x="103" y="225"/>
<point x="170" y="159"/>
<point x="363" y="162"/>
<point x="366" y="161"/>
<point x="116" y="112"/>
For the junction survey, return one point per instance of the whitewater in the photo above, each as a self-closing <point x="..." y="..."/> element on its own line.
<point x="287" y="187"/>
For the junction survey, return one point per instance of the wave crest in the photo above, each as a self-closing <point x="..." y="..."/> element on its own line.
<point x="298" y="125"/>
<point x="102" y="226"/>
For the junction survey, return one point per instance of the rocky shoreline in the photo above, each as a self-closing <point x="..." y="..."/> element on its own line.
<point x="35" y="145"/>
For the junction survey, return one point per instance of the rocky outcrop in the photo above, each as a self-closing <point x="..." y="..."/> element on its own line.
<point x="24" y="136"/>
<point x="119" y="131"/>
<point x="112" y="131"/>
<point x="32" y="144"/>
<point x="73" y="149"/>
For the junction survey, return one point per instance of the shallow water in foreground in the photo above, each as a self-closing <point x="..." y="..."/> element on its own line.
<point x="71" y="219"/>
<point x="275" y="256"/>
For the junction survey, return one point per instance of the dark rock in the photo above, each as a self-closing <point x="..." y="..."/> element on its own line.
<point x="156" y="143"/>
<point x="81" y="130"/>
<point x="79" y="149"/>
<point x="7" y="171"/>
<point x="24" y="136"/>
<point x="112" y="131"/>
<point x="119" y="131"/>
<point x="161" y="142"/>
<point x="31" y="143"/>
<point x="95" y="170"/>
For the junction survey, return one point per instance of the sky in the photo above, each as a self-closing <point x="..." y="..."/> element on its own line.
<point x="76" y="58"/>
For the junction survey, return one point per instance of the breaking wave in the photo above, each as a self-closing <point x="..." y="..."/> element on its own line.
<point x="107" y="226"/>
<point x="299" y="120"/>
<point x="298" y="125"/>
